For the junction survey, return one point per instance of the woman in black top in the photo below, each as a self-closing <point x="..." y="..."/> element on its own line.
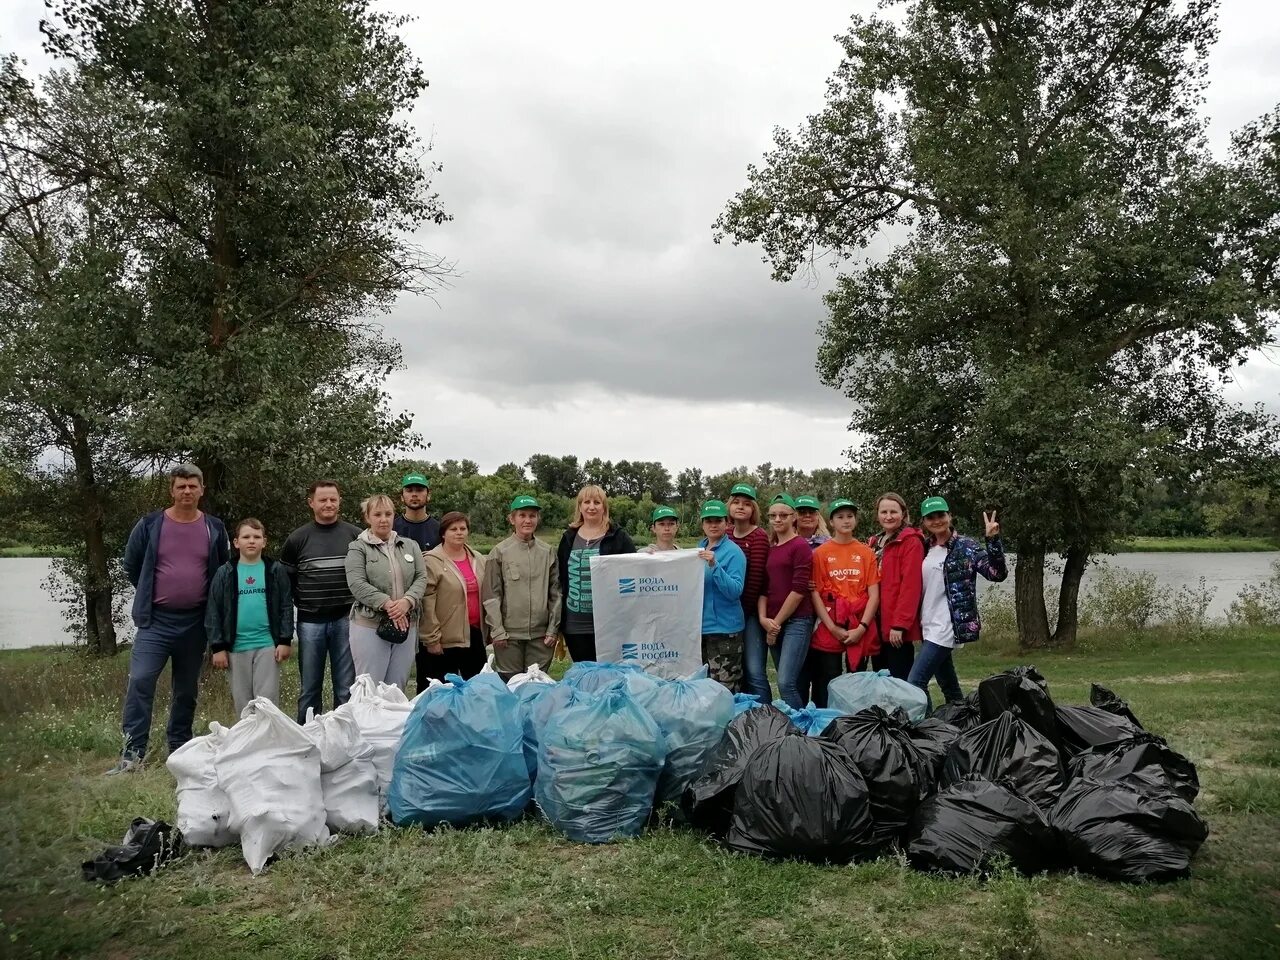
<point x="590" y="534"/>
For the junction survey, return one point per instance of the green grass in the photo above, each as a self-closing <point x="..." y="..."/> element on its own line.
<point x="33" y="550"/>
<point x="524" y="891"/>
<point x="1196" y="545"/>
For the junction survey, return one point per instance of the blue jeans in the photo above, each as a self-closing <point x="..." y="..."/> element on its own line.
<point x="934" y="662"/>
<point x="755" y="670"/>
<point x="177" y="636"/>
<point x="789" y="656"/>
<point x="316" y="642"/>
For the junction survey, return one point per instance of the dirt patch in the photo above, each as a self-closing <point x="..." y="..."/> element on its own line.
<point x="1213" y="676"/>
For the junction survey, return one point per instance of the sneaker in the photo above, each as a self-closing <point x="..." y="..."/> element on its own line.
<point x="126" y="765"/>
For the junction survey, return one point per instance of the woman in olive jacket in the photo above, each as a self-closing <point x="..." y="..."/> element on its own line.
<point x="386" y="577"/>
<point x="454" y="631"/>
<point x="590" y="534"/>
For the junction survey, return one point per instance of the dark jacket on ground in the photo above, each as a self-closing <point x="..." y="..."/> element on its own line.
<point x="614" y="541"/>
<point x="966" y="558"/>
<point x="224" y="603"/>
<point x="140" y="559"/>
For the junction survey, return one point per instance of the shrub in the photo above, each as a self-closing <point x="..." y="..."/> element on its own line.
<point x="1126" y="599"/>
<point x="1257" y="604"/>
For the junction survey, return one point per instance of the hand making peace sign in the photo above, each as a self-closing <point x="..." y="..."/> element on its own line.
<point x="993" y="525"/>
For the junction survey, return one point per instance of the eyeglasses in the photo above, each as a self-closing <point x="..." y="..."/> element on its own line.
<point x="780" y="516"/>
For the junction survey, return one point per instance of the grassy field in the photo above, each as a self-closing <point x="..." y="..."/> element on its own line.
<point x="525" y="892"/>
<point x="1196" y="545"/>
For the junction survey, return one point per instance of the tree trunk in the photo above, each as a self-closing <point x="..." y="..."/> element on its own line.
<point x="1077" y="557"/>
<point x="1028" y="597"/>
<point x="100" y="627"/>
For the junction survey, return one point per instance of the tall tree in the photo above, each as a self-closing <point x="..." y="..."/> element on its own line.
<point x="1078" y="271"/>
<point x="560" y="475"/>
<point x="280" y="183"/>
<point x="71" y="318"/>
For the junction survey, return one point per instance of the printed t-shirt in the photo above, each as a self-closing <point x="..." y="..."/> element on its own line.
<point x="182" y="564"/>
<point x="579" y="612"/>
<point x="253" y="629"/>
<point x="473" y="590"/>
<point x="844" y="570"/>
<point x="935" y="615"/>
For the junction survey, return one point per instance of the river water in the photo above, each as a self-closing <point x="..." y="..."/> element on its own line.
<point x="30" y="618"/>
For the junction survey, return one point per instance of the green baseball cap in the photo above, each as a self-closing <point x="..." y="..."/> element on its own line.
<point x="786" y="498"/>
<point x="808" y="503"/>
<point x="933" y="505"/>
<point x="663" y="513"/>
<point x="744" y="490"/>
<point x="524" y="502"/>
<point x="714" y="508"/>
<point x="841" y="504"/>
<point x="415" y="479"/>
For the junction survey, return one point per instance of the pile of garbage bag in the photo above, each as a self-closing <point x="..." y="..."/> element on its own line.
<point x="1004" y="776"/>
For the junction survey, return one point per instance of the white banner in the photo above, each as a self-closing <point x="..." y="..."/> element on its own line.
<point x="648" y="610"/>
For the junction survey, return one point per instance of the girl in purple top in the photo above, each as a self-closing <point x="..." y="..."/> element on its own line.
<point x="785" y="607"/>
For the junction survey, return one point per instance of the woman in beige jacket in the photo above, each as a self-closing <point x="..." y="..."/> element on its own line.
<point x="386" y="577"/>
<point x="453" y="629"/>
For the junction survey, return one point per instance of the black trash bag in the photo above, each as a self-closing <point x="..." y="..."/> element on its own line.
<point x="962" y="714"/>
<point x="147" y="845"/>
<point x="802" y="798"/>
<point x="966" y="825"/>
<point x="897" y="774"/>
<point x="1144" y="761"/>
<point x="933" y="738"/>
<point x="1080" y="728"/>
<point x="1117" y="830"/>
<point x="1007" y="748"/>
<point x="707" y="803"/>
<point x="1023" y="692"/>
<point x="1103" y="698"/>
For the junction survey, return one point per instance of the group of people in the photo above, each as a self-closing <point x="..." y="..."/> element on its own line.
<point x="409" y="590"/>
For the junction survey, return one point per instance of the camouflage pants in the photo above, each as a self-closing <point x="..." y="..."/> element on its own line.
<point x="722" y="653"/>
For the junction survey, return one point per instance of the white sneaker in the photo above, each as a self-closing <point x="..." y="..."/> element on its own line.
<point x="126" y="765"/>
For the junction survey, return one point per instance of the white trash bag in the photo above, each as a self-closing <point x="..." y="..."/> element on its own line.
<point x="532" y="674"/>
<point x="348" y="777"/>
<point x="379" y="711"/>
<point x="270" y="771"/>
<point x="204" y="812"/>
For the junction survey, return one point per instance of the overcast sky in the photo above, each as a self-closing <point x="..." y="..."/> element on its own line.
<point x="587" y="148"/>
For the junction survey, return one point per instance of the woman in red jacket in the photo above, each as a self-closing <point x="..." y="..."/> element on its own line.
<point x="900" y="553"/>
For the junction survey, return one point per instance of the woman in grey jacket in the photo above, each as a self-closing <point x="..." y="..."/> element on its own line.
<point x="523" y="602"/>
<point x="387" y="578"/>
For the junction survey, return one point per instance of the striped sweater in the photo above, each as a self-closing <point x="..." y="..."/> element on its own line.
<point x="315" y="556"/>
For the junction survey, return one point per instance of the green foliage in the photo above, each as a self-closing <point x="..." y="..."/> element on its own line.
<point x="1258" y="604"/>
<point x="1078" y="271"/>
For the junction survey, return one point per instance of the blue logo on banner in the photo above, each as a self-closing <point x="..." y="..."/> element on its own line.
<point x="631" y="651"/>
<point x="626" y="585"/>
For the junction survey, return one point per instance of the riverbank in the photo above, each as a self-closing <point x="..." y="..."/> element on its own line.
<point x="524" y="891"/>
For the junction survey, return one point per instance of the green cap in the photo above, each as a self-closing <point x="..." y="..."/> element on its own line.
<point x="808" y="503"/>
<point x="784" y="498"/>
<point x="744" y="490"/>
<point x="714" y="508"/>
<point x="524" y="502"/>
<point x="933" y="505"/>
<point x="663" y="513"/>
<point x="415" y="480"/>
<point x="841" y="504"/>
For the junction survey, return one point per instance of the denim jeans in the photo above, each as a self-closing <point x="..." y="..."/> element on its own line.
<point x="317" y="642"/>
<point x="755" y="670"/>
<point x="789" y="656"/>
<point x="934" y="662"/>
<point x="177" y="636"/>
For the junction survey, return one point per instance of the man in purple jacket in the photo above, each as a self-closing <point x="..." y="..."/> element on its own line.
<point x="170" y="558"/>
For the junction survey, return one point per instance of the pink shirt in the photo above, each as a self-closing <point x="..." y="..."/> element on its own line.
<point x="182" y="564"/>
<point x="473" y="590"/>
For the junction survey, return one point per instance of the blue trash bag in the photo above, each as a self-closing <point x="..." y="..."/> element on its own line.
<point x="591" y="676"/>
<point x="527" y="694"/>
<point x="461" y="757"/>
<point x="854" y="692"/>
<point x="811" y="720"/>
<point x="599" y="760"/>
<point x="692" y="715"/>
<point x="742" y="702"/>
